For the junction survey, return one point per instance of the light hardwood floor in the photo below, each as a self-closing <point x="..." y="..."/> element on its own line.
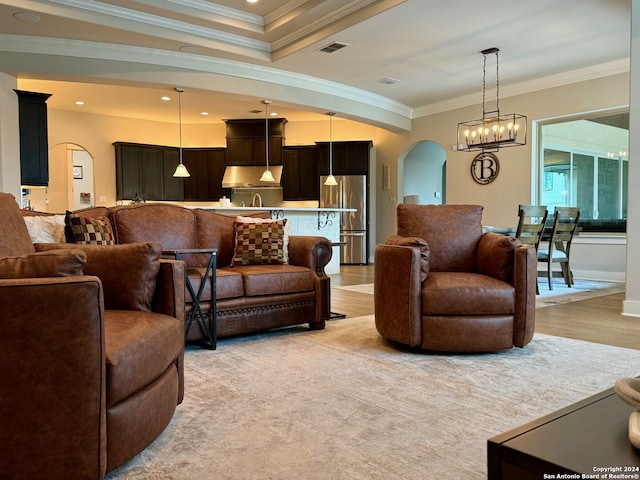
<point x="595" y="320"/>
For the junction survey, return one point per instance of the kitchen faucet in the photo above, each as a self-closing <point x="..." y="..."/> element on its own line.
<point x="256" y="201"/>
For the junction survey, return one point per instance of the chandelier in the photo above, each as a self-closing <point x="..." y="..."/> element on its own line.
<point x="494" y="130"/>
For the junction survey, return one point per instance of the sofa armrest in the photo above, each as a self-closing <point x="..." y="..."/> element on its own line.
<point x="52" y="377"/>
<point x="525" y="278"/>
<point x="310" y="251"/>
<point x="397" y="293"/>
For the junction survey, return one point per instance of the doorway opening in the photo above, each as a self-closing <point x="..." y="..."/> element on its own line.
<point x="71" y="178"/>
<point x="424" y="180"/>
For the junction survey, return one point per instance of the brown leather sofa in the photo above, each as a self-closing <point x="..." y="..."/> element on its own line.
<point x="91" y="352"/>
<point x="441" y="284"/>
<point x="250" y="298"/>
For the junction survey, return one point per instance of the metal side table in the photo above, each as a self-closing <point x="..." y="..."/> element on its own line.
<point x="196" y="313"/>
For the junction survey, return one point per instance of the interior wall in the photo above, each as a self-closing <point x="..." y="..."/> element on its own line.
<point x="515" y="179"/>
<point x="96" y="133"/>
<point x="631" y="304"/>
<point x="9" y="137"/>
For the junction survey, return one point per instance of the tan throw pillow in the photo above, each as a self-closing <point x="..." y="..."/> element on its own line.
<point x="54" y="263"/>
<point x="287" y="228"/>
<point x="45" y="228"/>
<point x="420" y="244"/>
<point x="88" y="231"/>
<point x="259" y="243"/>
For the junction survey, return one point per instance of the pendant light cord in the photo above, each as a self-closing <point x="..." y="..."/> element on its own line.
<point x="180" y="120"/>
<point x="484" y="81"/>
<point x="266" y="132"/>
<point x="331" y="144"/>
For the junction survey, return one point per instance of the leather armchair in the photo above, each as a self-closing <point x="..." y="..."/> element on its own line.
<point x="441" y="284"/>
<point x="91" y="370"/>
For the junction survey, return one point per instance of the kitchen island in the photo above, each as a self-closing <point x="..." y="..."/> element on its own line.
<point x="324" y="222"/>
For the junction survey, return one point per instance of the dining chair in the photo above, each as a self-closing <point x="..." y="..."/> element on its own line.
<point x="531" y="222"/>
<point x="565" y="224"/>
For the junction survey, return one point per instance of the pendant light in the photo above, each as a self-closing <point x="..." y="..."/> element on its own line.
<point x="181" y="170"/>
<point x="267" y="176"/>
<point x="331" y="180"/>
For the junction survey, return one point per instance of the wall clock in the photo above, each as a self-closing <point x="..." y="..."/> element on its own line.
<point x="77" y="171"/>
<point x="485" y="168"/>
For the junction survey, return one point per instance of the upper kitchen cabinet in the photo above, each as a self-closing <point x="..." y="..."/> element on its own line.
<point x="34" y="143"/>
<point x="349" y="158"/>
<point x="300" y="178"/>
<point x="147" y="170"/>
<point x="245" y="141"/>
<point x="206" y="166"/>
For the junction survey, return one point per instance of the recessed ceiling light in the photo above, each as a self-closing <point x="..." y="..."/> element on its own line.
<point x="204" y="113"/>
<point x="252" y="1"/>
<point x="388" y="80"/>
<point x="273" y="114"/>
<point x="79" y="102"/>
<point x="27" y="17"/>
<point x="165" y="98"/>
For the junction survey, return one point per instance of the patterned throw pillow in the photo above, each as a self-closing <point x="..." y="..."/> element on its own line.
<point x="88" y="231"/>
<point x="287" y="228"/>
<point x="259" y="243"/>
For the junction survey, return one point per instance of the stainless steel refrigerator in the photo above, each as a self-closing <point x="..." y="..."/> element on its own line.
<point x="351" y="192"/>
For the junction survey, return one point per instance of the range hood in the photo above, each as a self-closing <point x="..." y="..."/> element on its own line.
<point x="249" y="177"/>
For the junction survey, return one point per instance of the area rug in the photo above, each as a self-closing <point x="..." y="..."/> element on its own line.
<point x="561" y="293"/>
<point x="342" y="403"/>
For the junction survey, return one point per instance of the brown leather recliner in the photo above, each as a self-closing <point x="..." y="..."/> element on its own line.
<point x="91" y="352"/>
<point x="441" y="284"/>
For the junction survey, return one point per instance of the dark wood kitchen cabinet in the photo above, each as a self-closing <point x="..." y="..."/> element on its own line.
<point x="148" y="171"/>
<point x="206" y="167"/>
<point x="300" y="176"/>
<point x="34" y="143"/>
<point x="245" y="141"/>
<point x="349" y="158"/>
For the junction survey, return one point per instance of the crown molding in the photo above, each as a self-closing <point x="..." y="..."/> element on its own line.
<point x="230" y="76"/>
<point x="543" y="83"/>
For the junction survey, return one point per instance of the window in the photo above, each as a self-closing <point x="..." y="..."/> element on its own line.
<point x="585" y="164"/>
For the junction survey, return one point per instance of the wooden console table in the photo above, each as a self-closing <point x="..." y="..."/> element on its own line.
<point x="582" y="439"/>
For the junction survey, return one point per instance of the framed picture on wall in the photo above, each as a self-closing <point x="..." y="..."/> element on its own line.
<point x="77" y="171"/>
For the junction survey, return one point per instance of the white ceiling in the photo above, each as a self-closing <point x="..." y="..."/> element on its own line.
<point x="120" y="56"/>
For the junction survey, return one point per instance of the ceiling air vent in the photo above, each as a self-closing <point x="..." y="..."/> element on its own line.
<point x="333" y="47"/>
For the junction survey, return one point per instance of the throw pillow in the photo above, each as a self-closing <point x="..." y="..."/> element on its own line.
<point x="418" y="243"/>
<point x="88" y="231"/>
<point x="45" y="228"/>
<point x="55" y="263"/>
<point x="259" y="243"/>
<point x="287" y="228"/>
<point x="495" y="255"/>
<point x="128" y="272"/>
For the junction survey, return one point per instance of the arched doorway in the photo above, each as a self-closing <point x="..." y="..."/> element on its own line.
<point x="424" y="180"/>
<point x="71" y="179"/>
